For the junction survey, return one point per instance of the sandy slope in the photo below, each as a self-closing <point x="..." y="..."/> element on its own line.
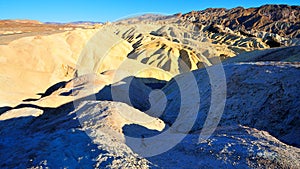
<point x="31" y="64"/>
<point x="34" y="63"/>
<point x="83" y="94"/>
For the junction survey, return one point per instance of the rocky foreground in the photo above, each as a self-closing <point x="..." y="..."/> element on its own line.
<point x="259" y="127"/>
<point x="180" y="91"/>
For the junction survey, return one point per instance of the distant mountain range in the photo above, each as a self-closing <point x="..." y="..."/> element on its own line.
<point x="76" y="23"/>
<point x="217" y="88"/>
<point x="283" y="20"/>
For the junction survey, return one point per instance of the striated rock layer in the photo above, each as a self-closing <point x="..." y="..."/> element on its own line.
<point x="80" y="95"/>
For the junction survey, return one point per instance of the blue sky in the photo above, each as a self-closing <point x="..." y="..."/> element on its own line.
<point x="111" y="10"/>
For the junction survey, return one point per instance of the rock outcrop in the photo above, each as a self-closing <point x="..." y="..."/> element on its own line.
<point x="195" y="90"/>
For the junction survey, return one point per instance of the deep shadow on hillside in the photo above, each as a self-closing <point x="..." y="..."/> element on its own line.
<point x="56" y="136"/>
<point x="52" y="139"/>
